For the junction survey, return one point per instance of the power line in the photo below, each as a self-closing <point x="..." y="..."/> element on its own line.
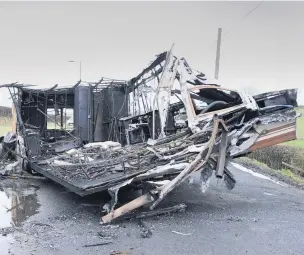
<point x="242" y="19"/>
<point x="247" y="14"/>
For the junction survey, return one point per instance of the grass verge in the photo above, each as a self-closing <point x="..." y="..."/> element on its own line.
<point x="300" y="124"/>
<point x="296" y="143"/>
<point x="289" y="173"/>
<point x="5" y="129"/>
<point x="274" y="156"/>
<point x="284" y="175"/>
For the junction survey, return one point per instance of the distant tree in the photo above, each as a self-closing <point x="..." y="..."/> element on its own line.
<point x="5" y="112"/>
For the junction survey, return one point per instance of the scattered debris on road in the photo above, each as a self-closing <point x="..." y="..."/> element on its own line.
<point x="180" y="233"/>
<point x="145" y="232"/>
<point x="152" y="131"/>
<point x="161" y="211"/>
<point x="119" y="253"/>
<point x="6" y="231"/>
<point x="98" y="244"/>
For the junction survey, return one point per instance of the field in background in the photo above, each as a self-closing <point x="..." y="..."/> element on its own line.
<point x="300" y="123"/>
<point x="5" y="125"/>
<point x="300" y="131"/>
<point x="51" y="125"/>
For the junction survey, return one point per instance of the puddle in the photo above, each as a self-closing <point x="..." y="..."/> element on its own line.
<point x="18" y="201"/>
<point x="5" y="243"/>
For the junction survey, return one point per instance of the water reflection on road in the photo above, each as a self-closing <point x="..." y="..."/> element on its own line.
<point x="18" y="201"/>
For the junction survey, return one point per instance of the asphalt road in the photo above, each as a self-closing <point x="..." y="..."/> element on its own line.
<point x="258" y="216"/>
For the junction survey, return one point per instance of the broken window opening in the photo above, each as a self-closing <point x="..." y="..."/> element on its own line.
<point x="213" y="99"/>
<point x="60" y="118"/>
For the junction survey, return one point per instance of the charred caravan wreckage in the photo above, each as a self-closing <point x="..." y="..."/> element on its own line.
<point x="153" y="131"/>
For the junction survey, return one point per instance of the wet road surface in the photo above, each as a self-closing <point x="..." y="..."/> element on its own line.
<point x="259" y="216"/>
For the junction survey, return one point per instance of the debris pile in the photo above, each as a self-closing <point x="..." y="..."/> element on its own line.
<point x="153" y="131"/>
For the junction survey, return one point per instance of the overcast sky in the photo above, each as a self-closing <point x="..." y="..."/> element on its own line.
<point x="119" y="39"/>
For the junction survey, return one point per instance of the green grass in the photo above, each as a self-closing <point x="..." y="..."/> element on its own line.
<point x="285" y="172"/>
<point x="296" y="143"/>
<point x="292" y="175"/>
<point x="5" y="125"/>
<point x="258" y="163"/>
<point x="5" y="129"/>
<point x="51" y="125"/>
<point x="300" y="124"/>
<point x="300" y="131"/>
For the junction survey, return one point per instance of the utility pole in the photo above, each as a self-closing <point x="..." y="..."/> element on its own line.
<point x="218" y="53"/>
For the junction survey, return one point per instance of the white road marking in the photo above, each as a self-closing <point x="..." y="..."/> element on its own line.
<point x="180" y="233"/>
<point x="258" y="175"/>
<point x="268" y="194"/>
